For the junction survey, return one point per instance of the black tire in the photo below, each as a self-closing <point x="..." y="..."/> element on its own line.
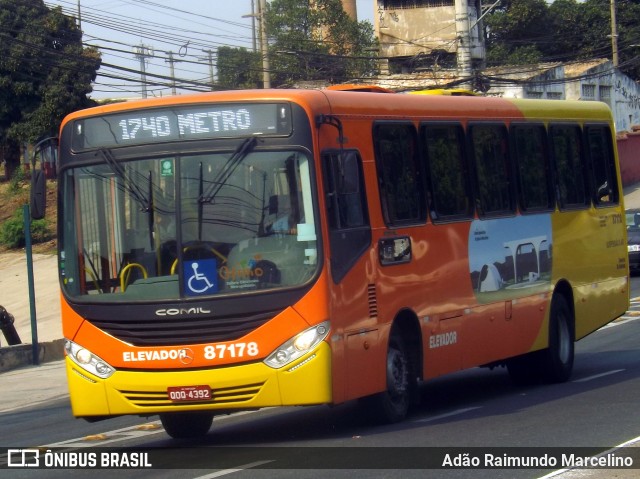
<point x="186" y="425"/>
<point x="555" y="363"/>
<point x="392" y="405"/>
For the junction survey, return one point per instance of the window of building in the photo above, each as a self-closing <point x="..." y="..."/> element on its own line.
<point x="588" y="91"/>
<point x="409" y="4"/>
<point x="604" y="92"/>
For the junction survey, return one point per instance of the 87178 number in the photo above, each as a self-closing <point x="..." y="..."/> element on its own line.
<point x="234" y="350"/>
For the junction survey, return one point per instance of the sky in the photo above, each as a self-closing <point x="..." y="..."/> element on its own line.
<point x="189" y="31"/>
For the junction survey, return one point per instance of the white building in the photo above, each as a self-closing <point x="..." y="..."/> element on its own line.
<point x="595" y="80"/>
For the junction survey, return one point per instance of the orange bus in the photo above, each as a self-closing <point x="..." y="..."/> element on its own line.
<point x="237" y="250"/>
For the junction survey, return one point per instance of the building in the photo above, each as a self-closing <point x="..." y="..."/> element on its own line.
<point x="595" y="80"/>
<point x="418" y="35"/>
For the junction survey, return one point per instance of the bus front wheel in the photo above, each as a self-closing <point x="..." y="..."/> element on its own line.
<point x="185" y="425"/>
<point x="392" y="405"/>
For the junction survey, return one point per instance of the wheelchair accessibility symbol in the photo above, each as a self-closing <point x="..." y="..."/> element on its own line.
<point x="201" y="277"/>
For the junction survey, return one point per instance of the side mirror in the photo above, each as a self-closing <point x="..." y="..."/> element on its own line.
<point x="38" y="197"/>
<point x="47" y="151"/>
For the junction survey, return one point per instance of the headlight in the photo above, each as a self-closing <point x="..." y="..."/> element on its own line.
<point x="298" y="346"/>
<point x="88" y="361"/>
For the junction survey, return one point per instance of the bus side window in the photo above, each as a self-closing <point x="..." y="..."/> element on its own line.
<point x="447" y="171"/>
<point x="493" y="172"/>
<point x="349" y="229"/>
<point x="566" y="146"/>
<point x="604" y="182"/>
<point x="535" y="192"/>
<point x="399" y="173"/>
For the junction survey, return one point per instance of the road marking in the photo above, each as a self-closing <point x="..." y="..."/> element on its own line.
<point x="596" y="376"/>
<point x="576" y="472"/>
<point x="126" y="433"/>
<point x="224" y="472"/>
<point x="620" y="321"/>
<point x="117" y="435"/>
<point x="448" y="414"/>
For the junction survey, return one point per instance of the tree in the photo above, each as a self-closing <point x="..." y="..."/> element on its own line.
<point x="317" y="40"/>
<point x="517" y="32"/>
<point x="45" y="73"/>
<point x="628" y="16"/>
<point x="530" y="31"/>
<point x="239" y="68"/>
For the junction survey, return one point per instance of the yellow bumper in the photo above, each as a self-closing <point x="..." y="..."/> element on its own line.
<point x="303" y="382"/>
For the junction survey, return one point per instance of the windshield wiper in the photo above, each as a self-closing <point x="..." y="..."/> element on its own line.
<point x="227" y="170"/>
<point x="129" y="185"/>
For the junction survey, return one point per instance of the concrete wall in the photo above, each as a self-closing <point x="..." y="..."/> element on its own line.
<point x="547" y="85"/>
<point x="405" y="32"/>
<point x="626" y="107"/>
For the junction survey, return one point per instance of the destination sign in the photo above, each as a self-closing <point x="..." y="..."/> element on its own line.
<point x="191" y="122"/>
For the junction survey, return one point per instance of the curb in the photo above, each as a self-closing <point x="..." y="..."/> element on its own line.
<point x="13" y="357"/>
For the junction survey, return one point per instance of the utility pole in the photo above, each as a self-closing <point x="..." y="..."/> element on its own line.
<point x="141" y="53"/>
<point x="211" y="74"/>
<point x="463" y="35"/>
<point x="253" y="25"/>
<point x="79" y="17"/>
<point x="614" y="35"/>
<point x="172" y="73"/>
<point x="264" y="47"/>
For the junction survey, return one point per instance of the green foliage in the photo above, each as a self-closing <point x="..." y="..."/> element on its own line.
<point x="18" y="179"/>
<point x="525" y="55"/>
<point x="45" y="72"/>
<point x="12" y="231"/>
<point x="308" y="40"/>
<point x="317" y="40"/>
<point x="239" y="68"/>
<point x="521" y="31"/>
<point x="517" y="31"/>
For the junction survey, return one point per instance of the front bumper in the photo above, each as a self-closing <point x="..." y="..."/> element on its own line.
<point x="249" y="386"/>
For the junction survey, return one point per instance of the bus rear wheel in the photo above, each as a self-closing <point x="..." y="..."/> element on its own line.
<point x="392" y="405"/>
<point x="555" y="363"/>
<point x="186" y="425"/>
<point x="558" y="357"/>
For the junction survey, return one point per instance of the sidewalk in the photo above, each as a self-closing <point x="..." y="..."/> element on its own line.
<point x="14" y="297"/>
<point x="25" y="385"/>
<point x="632" y="196"/>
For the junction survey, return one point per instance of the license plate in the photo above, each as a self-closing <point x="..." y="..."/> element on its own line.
<point x="633" y="247"/>
<point x="189" y="393"/>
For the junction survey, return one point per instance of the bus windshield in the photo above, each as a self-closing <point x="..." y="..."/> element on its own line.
<point x="186" y="226"/>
